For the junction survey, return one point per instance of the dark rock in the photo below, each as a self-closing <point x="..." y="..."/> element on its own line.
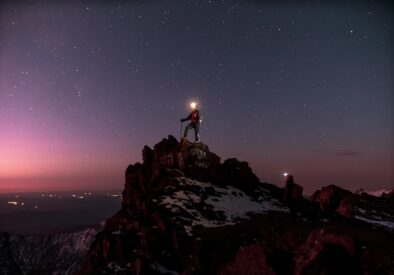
<point x="327" y="252"/>
<point x="194" y="159"/>
<point x="238" y="174"/>
<point x="330" y="199"/>
<point x="389" y="195"/>
<point x="250" y="259"/>
<point x="147" y="155"/>
<point x="345" y="208"/>
<point x="174" y="173"/>
<point x="297" y="192"/>
<point x="8" y="266"/>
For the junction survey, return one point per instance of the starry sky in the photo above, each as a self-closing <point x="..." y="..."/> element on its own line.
<point x="304" y="87"/>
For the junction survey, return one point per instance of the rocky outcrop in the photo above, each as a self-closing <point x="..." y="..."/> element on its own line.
<point x="169" y="158"/>
<point x="326" y="252"/>
<point x="333" y="199"/>
<point x="185" y="212"/>
<point x="238" y="174"/>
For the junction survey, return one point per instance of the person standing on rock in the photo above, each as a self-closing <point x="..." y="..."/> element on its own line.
<point x="195" y="120"/>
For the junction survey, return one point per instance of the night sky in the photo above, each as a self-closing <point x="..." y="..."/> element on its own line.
<point x="301" y="87"/>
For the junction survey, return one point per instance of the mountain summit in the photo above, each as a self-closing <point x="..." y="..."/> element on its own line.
<point x="186" y="212"/>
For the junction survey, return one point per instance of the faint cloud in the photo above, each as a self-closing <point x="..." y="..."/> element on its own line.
<point x="347" y="153"/>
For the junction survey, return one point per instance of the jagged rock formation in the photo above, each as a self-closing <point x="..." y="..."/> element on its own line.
<point x="185" y="212"/>
<point x="61" y="253"/>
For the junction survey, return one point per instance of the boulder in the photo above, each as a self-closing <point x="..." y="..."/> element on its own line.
<point x="326" y="252"/>
<point x="330" y="198"/>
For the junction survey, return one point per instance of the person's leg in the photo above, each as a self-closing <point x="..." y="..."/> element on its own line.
<point x="187" y="128"/>
<point x="197" y="132"/>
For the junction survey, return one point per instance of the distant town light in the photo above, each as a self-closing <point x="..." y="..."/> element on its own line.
<point x="13" y="202"/>
<point x="285" y="174"/>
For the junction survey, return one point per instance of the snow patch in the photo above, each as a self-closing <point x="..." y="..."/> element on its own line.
<point x="224" y="204"/>
<point x="162" y="269"/>
<point x="387" y="224"/>
<point x="115" y="267"/>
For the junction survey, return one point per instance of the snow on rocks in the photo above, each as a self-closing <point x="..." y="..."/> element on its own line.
<point x="115" y="267"/>
<point x="30" y="252"/>
<point x="204" y="204"/>
<point x="387" y="224"/>
<point x="163" y="270"/>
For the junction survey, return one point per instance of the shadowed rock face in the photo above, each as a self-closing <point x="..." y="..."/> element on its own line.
<point x="250" y="259"/>
<point x="333" y="199"/>
<point x="61" y="253"/>
<point x="327" y="252"/>
<point x="185" y="212"/>
<point x="7" y="264"/>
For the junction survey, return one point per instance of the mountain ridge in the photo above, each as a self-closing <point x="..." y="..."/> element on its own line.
<point x="184" y="211"/>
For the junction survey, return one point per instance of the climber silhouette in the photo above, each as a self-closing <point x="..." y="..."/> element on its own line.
<point x="195" y="120"/>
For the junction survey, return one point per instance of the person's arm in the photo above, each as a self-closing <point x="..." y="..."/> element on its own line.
<point x="188" y="118"/>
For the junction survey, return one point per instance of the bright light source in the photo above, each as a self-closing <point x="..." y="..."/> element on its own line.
<point x="285" y="174"/>
<point x="193" y="105"/>
<point x="13" y="202"/>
